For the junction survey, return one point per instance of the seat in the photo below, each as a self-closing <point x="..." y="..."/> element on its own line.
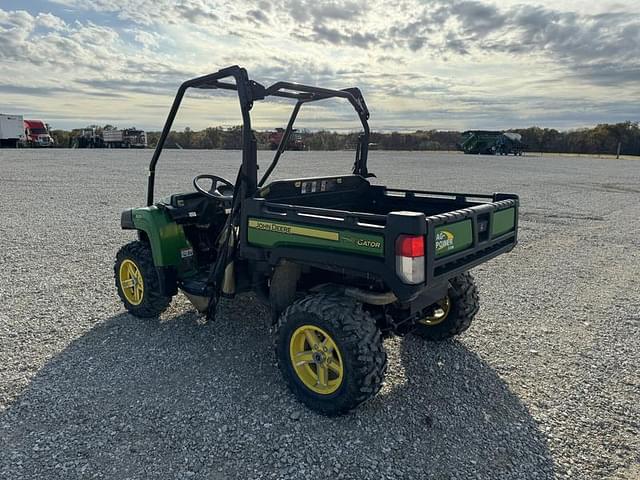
<point x="191" y="208"/>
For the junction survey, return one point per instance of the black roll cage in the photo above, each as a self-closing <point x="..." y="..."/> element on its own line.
<point x="248" y="92"/>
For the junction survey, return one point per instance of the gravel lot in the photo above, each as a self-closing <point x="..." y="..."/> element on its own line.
<point x="544" y="385"/>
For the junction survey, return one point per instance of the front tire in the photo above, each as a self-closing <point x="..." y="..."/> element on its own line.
<point x="453" y="314"/>
<point x="137" y="281"/>
<point x="330" y="353"/>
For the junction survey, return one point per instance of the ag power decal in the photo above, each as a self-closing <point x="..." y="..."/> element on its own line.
<point x="266" y="233"/>
<point x="453" y="237"/>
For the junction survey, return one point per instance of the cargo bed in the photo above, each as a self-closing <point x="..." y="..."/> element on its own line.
<point x="359" y="224"/>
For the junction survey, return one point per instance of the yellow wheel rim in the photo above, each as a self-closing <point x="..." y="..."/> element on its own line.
<point x="440" y="313"/>
<point x="316" y="359"/>
<point x="131" y="282"/>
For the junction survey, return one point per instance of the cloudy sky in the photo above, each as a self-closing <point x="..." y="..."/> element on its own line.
<point x="421" y="64"/>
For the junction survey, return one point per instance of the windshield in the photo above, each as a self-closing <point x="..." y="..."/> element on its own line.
<point x="38" y="131"/>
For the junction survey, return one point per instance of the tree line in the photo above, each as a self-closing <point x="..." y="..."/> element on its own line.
<point x="601" y="139"/>
<point x="231" y="138"/>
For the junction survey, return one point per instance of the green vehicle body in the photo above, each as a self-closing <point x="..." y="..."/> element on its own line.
<point x="171" y="248"/>
<point x="268" y="234"/>
<point x="504" y="221"/>
<point x="339" y="230"/>
<point x="166" y="237"/>
<point x="340" y="261"/>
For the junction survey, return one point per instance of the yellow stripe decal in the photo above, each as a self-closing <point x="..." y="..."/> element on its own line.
<point x="293" y="230"/>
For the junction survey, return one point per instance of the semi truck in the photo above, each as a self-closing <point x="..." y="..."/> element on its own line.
<point x="510" y="143"/>
<point x="37" y="134"/>
<point x="10" y="130"/>
<point x="127" y="138"/>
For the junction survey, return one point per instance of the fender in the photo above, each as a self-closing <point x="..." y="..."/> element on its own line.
<point x="167" y="238"/>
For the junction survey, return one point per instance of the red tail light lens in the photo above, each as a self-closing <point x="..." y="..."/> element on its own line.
<point x="410" y="246"/>
<point x="410" y="258"/>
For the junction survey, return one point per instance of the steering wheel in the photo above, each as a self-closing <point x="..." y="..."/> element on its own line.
<point x="214" y="191"/>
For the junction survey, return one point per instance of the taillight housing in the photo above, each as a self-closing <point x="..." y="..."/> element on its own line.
<point x="410" y="258"/>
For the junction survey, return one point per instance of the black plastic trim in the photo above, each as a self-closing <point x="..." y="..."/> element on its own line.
<point x="126" y="220"/>
<point x="168" y="279"/>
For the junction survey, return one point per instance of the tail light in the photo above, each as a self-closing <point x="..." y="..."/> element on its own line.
<point x="410" y="258"/>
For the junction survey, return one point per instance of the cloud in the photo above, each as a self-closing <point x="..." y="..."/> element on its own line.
<point x="28" y="90"/>
<point x="477" y="19"/>
<point x="322" y="10"/>
<point x="436" y="28"/>
<point x="584" y="43"/>
<point x="608" y="74"/>
<point x="193" y="12"/>
<point x="133" y="85"/>
<point x="595" y="47"/>
<point x="471" y="58"/>
<point x="258" y="16"/>
<point x="149" y="12"/>
<point x="50" y="21"/>
<point x="324" y="34"/>
<point x="147" y="39"/>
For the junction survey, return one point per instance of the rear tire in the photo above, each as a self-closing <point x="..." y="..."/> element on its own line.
<point x="355" y="362"/>
<point x="137" y="281"/>
<point x="463" y="305"/>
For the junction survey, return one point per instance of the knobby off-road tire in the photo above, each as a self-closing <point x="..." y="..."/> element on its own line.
<point x="357" y="351"/>
<point x="134" y="263"/>
<point x="464" y="303"/>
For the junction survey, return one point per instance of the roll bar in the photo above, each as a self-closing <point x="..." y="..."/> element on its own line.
<point x="248" y="92"/>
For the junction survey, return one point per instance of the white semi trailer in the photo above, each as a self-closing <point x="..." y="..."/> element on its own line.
<point x="11" y="130"/>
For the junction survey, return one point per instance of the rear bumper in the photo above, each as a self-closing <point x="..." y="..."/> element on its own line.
<point x="482" y="244"/>
<point x="485" y="243"/>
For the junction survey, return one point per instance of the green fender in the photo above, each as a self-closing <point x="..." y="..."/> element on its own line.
<point x="166" y="237"/>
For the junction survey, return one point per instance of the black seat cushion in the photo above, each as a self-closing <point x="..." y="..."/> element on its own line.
<point x="192" y="208"/>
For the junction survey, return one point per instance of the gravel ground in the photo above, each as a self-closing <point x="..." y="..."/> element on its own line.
<point x="544" y="385"/>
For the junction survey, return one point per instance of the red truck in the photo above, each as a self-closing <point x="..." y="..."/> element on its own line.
<point x="37" y="134"/>
<point x="295" y="140"/>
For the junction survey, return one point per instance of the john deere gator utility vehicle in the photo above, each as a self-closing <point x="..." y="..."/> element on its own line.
<point x="341" y="262"/>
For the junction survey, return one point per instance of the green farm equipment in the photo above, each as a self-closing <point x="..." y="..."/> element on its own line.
<point x="487" y="142"/>
<point x="340" y="261"/>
